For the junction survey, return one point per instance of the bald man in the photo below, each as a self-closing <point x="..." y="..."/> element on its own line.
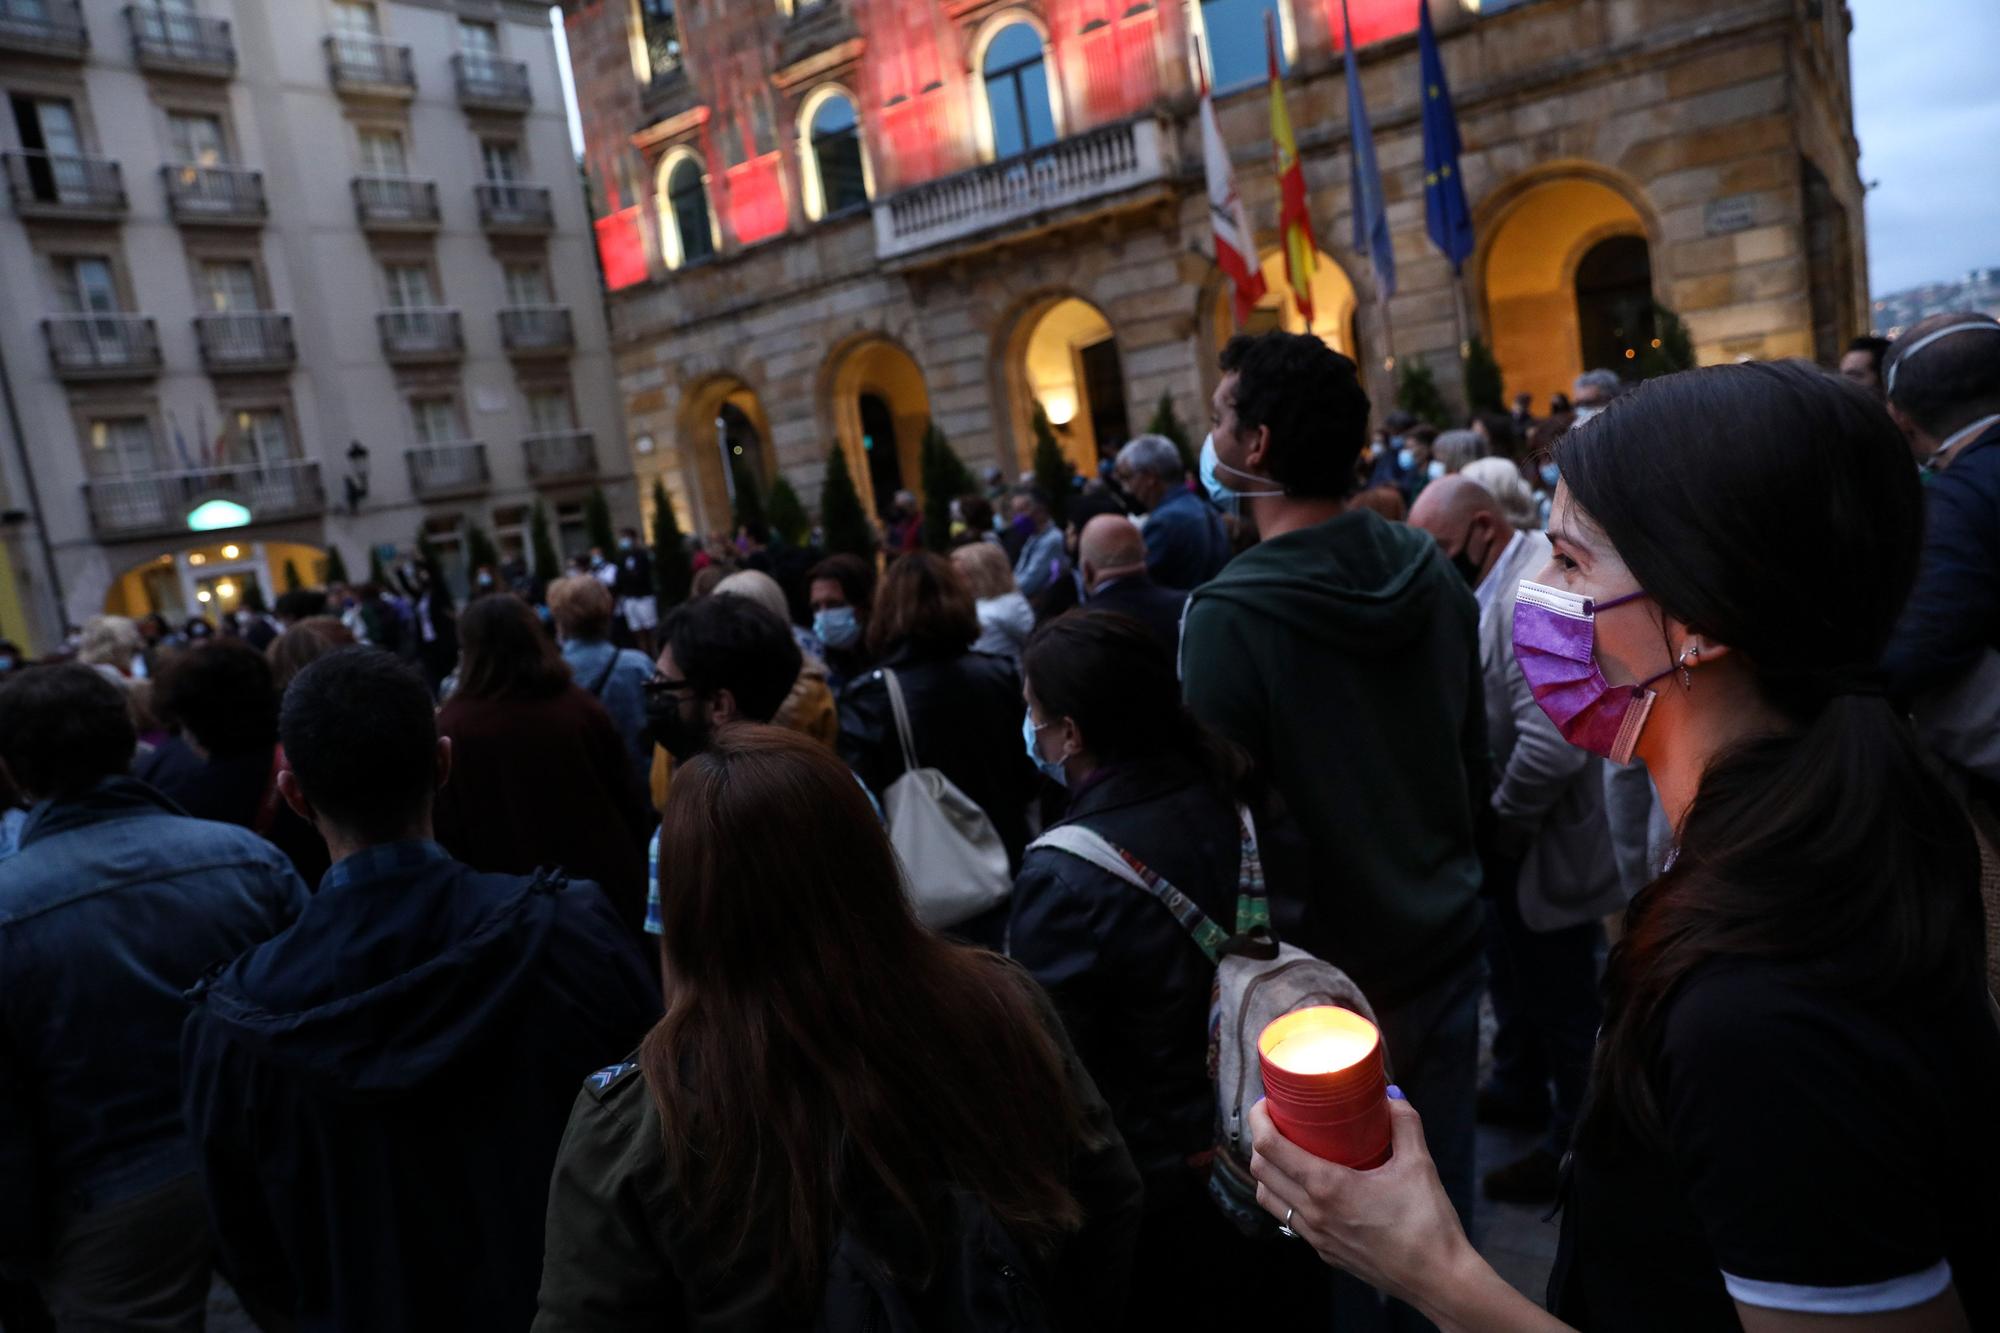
<point x="1546" y="851"/>
<point x="1111" y="556"/>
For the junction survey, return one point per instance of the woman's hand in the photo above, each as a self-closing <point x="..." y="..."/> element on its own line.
<point x="1392" y="1227"/>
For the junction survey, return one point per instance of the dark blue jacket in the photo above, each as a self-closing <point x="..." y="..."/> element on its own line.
<point x="116" y="903"/>
<point x="1186" y="544"/>
<point x="1953" y="614"/>
<point x="378" y="1093"/>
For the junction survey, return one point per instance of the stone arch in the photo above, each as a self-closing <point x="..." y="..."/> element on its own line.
<point x="1534" y="233"/>
<point x="701" y="439"/>
<point x="876" y="366"/>
<point x="1055" y="346"/>
<point x="1336" y="314"/>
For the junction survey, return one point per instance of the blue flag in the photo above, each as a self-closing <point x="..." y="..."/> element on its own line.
<point x="1449" y="215"/>
<point x="1371" y="210"/>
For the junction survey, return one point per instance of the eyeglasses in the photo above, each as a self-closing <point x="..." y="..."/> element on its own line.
<point x="660" y="684"/>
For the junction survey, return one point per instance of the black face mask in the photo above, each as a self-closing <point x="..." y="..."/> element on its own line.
<point x="671" y="730"/>
<point x="1469" y="569"/>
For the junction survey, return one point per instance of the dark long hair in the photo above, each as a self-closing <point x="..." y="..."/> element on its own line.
<point x="1773" y="508"/>
<point x="925" y="604"/>
<point x="819" y="1045"/>
<point x="1116" y="680"/>
<point x="505" y="653"/>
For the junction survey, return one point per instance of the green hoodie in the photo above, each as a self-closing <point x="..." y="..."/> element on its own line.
<point x="1345" y="658"/>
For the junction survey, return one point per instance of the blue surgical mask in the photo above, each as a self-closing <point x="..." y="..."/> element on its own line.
<point x="1551" y="474"/>
<point x="837" y="626"/>
<point x="1053" y="772"/>
<point x="1226" y="498"/>
<point x="1406" y="459"/>
<point x="1435" y="470"/>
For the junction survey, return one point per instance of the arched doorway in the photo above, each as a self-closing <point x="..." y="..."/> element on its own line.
<point x="1333" y="299"/>
<point x="880" y="410"/>
<point x="1567" y="283"/>
<point x="1063" y="357"/>
<point x="722" y="427"/>
<point x="216" y="578"/>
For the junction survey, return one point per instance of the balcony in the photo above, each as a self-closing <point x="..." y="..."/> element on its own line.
<point x="260" y="341"/>
<point x="440" y="471"/>
<point x="364" y="66"/>
<point x="513" y="209"/>
<point x="565" y="456"/>
<point x="64" y="188"/>
<point x="102" y="347"/>
<point x="815" y="29"/>
<point x="414" y="336"/>
<point x="43" y="28"/>
<point x="159" y="503"/>
<point x="488" y="83"/>
<point x="215" y="196"/>
<point x="396" y="203"/>
<point x="1085" y="169"/>
<point x="164" y="42"/>
<point x="537" y="330"/>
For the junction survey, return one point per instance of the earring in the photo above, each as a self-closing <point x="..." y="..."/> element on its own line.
<point x="1692" y="651"/>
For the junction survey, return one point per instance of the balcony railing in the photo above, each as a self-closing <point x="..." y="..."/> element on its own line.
<point x="88" y="347"/>
<point x="175" y="43"/>
<point x="396" y="203"/>
<point x="1072" y="171"/>
<point x="509" y="206"/>
<point x="439" y="470"/>
<point x="258" y="341"/>
<point x="365" y="66"/>
<point x="232" y="196"/>
<point x="537" y="330"/>
<point x="420" y="334"/>
<point x="44" y="28"/>
<point x="565" y="456"/>
<point x="158" y="503"/>
<point x="65" y="187"/>
<point x="488" y="83"/>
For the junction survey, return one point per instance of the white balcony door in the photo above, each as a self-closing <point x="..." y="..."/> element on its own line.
<point x="382" y="153"/>
<point x="436" y="420"/>
<point x="527" y="285"/>
<point x="550" y="412"/>
<point x="502" y="159"/>
<point x="230" y="286"/>
<point x="63" y="141"/>
<point x="121" y="447"/>
<point x="409" y="286"/>
<point x="197" y="139"/>
<point x="356" y="18"/>
<point x="87" y="286"/>
<point x="261" y="437"/>
<point x="480" y="41"/>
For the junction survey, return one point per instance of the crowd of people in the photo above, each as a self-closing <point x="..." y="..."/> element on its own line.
<point x="568" y="962"/>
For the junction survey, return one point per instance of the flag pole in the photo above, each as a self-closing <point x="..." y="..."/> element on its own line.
<point x="1459" y="311"/>
<point x="1389" y="333"/>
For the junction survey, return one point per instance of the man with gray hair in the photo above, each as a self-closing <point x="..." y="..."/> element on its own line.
<point x="1186" y="544"/>
<point x="1593" y="392"/>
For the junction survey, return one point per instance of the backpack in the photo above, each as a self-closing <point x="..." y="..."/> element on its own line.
<point x="1257" y="980"/>
<point x="954" y="864"/>
<point x="980" y="1284"/>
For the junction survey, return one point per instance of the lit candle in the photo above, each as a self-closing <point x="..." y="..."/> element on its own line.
<point x="1325" y="1085"/>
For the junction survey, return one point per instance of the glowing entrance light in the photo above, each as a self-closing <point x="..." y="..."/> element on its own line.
<point x="214" y="515"/>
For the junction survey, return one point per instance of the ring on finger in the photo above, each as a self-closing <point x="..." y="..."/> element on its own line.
<point x="1285" y="1227"/>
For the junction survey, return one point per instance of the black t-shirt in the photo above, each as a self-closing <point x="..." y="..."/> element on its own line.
<point x="1825" y="1154"/>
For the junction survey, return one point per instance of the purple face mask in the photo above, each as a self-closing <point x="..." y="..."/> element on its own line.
<point x="1555" y="641"/>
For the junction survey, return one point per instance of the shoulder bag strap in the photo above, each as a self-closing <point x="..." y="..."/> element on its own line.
<point x="604" y="676"/>
<point x="1082" y="843"/>
<point x="1253" y="904"/>
<point x="902" y="712"/>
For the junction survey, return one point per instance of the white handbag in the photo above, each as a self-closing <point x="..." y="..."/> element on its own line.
<point x="954" y="864"/>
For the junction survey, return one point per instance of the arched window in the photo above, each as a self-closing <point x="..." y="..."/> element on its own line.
<point x="1017" y="91"/>
<point x="690" y="229"/>
<point x="836" y="175"/>
<point x="1232" y="38"/>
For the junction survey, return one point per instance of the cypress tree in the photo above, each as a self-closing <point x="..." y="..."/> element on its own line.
<point x="945" y="479"/>
<point x="292" y="580"/>
<point x="1055" y="475"/>
<point x="843" y="522"/>
<point x="479" y="548"/>
<point x="1675" y="351"/>
<point x="1167" y="422"/>
<point x="673" y="571"/>
<point x="336" y="567"/>
<point x="1417" y="393"/>
<point x="789" y="521"/>
<point x="1485" y="390"/>
<point x="547" y="564"/>
<point x="597" y="521"/>
<point x="749" y="512"/>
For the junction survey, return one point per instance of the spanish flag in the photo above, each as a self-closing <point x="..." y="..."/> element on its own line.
<point x="1294" y="221"/>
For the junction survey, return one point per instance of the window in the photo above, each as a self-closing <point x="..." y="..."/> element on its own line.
<point x="86" y="286"/>
<point x="510" y="530"/>
<point x="477" y="39"/>
<point x="260" y="436"/>
<point x="121" y="446"/>
<point x="692" y="234"/>
<point x="836" y="177"/>
<point x="436" y="420"/>
<point x="663" y="36"/>
<point x="196" y="139"/>
<point x="382" y="153"/>
<point x="1017" y="91"/>
<point x="527" y="284"/>
<point x="49" y="125"/>
<point x="572" y="532"/>
<point x="409" y="286"/>
<point x="1232" y="38"/>
<point x="356" y="18"/>
<point x="229" y="286"/>
<point x="501" y="158"/>
<point x="550" y="412"/>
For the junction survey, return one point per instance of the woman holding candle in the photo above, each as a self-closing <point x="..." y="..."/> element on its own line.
<point x="1105" y="720"/>
<point x="832" y="1086"/>
<point x="1791" y="1119"/>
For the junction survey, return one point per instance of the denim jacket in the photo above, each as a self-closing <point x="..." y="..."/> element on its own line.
<point x="115" y="905"/>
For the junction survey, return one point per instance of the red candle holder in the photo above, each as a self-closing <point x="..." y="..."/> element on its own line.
<point x="1325" y="1084"/>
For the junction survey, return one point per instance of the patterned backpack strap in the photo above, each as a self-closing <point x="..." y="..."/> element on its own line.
<point x="1082" y="843"/>
<point x="1253" y="905"/>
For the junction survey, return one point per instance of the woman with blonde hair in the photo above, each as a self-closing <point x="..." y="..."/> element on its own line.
<point x="1005" y="618"/>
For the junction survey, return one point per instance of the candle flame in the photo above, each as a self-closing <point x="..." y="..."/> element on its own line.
<point x="1322" y="1052"/>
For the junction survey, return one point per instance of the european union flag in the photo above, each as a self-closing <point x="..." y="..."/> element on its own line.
<point x="1449" y="215"/>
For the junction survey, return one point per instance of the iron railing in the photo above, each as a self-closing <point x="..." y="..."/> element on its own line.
<point x="102" y="346"/>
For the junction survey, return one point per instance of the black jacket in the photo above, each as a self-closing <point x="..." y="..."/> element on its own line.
<point x="1155" y="607"/>
<point x="376" y="1095"/>
<point x="965" y="711"/>
<point x="1131" y="986"/>
<point x="1953" y="614"/>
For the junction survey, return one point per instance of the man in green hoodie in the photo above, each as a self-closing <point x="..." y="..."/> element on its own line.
<point x="1343" y="653"/>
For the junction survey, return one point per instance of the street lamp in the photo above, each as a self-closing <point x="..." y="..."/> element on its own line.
<point x="357" y="475"/>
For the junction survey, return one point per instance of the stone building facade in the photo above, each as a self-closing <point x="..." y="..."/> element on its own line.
<point x="774" y="297"/>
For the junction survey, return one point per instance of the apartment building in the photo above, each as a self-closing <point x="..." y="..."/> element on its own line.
<point x="280" y="278"/>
